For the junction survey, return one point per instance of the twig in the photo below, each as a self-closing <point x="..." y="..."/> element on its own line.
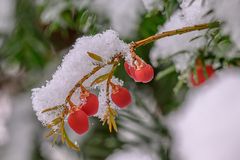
<point x="183" y="30"/>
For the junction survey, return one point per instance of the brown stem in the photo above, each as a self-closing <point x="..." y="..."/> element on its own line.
<point x="139" y="43"/>
<point x="110" y="114"/>
<point x="80" y="82"/>
<point x="174" y="32"/>
<point x="115" y="60"/>
<point x="109" y="81"/>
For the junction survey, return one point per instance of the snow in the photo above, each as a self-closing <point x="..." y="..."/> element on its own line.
<point x="223" y="10"/>
<point x="6" y="18"/>
<point x="133" y="153"/>
<point x="57" y="153"/>
<point x="187" y="16"/>
<point x="207" y="125"/>
<point x="74" y="66"/>
<point x="52" y="12"/>
<point x="124" y="15"/>
<point x="7" y="8"/>
<point x="153" y="4"/>
<point x="5" y="113"/>
<point x="22" y="130"/>
<point x="228" y="12"/>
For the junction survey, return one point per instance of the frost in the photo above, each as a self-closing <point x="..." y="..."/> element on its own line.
<point x="74" y="66"/>
<point x="207" y="125"/>
<point x="188" y="15"/>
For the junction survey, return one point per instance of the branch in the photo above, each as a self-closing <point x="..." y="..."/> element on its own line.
<point x="79" y="83"/>
<point x="180" y="31"/>
<point x="115" y="60"/>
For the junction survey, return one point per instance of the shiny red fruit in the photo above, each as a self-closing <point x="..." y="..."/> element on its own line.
<point x="91" y="105"/>
<point x="78" y="121"/>
<point x="144" y="74"/>
<point x="121" y="97"/>
<point x="129" y="69"/>
<point x="200" y="77"/>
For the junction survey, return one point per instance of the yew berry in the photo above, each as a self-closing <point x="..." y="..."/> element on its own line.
<point x="91" y="105"/>
<point x="78" y="121"/>
<point x="144" y="73"/>
<point x="130" y="70"/>
<point x="200" y="76"/>
<point x="121" y="96"/>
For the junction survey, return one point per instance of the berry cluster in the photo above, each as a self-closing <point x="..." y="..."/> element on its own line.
<point x="140" y="71"/>
<point x="78" y="117"/>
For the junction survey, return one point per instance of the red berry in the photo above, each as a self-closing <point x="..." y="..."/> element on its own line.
<point x="121" y="96"/>
<point x="144" y="74"/>
<point x="200" y="77"/>
<point x="78" y="121"/>
<point x="91" y="105"/>
<point x="129" y="69"/>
